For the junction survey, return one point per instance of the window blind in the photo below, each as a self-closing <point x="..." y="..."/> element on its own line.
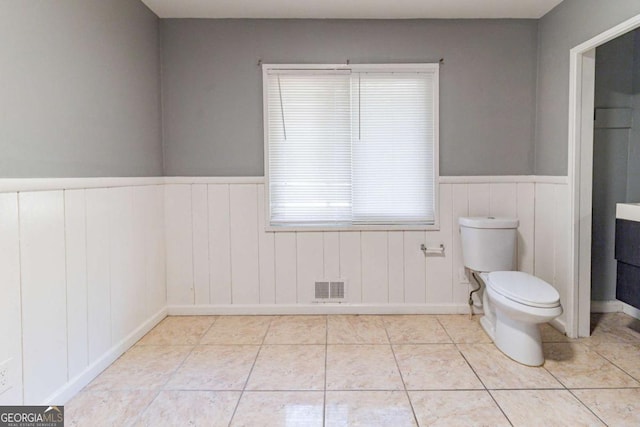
<point x="309" y="148"/>
<point x="393" y="174"/>
<point x="351" y="148"/>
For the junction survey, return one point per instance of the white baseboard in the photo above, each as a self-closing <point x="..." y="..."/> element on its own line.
<point x="611" y="306"/>
<point x="614" y="306"/>
<point x="71" y="388"/>
<point x="630" y="310"/>
<point x="560" y="325"/>
<point x="279" y="309"/>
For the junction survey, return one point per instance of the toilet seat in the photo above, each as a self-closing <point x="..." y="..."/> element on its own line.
<point x="523" y="288"/>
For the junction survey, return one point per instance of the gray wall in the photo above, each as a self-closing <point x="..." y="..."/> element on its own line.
<point x="79" y="89"/>
<point x="633" y="164"/>
<point x="611" y="147"/>
<point x="569" y="24"/>
<point x="212" y="88"/>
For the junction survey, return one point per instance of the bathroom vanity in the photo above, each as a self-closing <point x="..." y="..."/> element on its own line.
<point x="627" y="252"/>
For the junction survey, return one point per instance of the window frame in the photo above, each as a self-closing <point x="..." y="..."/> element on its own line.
<point x="386" y="68"/>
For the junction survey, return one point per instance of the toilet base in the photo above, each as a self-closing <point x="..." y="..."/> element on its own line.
<point x="518" y="340"/>
<point x="488" y="326"/>
<point x="521" y="341"/>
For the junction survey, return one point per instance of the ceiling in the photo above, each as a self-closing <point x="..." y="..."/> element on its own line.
<point x="356" y="9"/>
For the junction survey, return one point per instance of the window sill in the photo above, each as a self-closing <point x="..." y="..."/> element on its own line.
<point x="326" y="228"/>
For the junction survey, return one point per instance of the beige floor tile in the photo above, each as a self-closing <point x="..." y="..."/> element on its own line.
<point x="201" y="385"/>
<point x="237" y="330"/>
<point x="461" y="329"/>
<point x="497" y="371"/>
<point x="625" y="356"/>
<point x="434" y="367"/>
<point x="215" y="367"/>
<point x="368" y="408"/>
<point x="616" y="407"/>
<point x="614" y="327"/>
<point x="576" y="366"/>
<point x="544" y="408"/>
<point x="356" y="330"/>
<point x="415" y="329"/>
<point x="106" y="408"/>
<point x="551" y="334"/>
<point x="178" y="330"/>
<point x="362" y="367"/>
<point x="297" y="330"/>
<point x="288" y="367"/>
<point x="142" y="367"/>
<point x="190" y="408"/>
<point x="456" y="409"/>
<point x="277" y="408"/>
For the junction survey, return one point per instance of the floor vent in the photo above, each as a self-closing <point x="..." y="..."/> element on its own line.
<point x="322" y="290"/>
<point x="336" y="290"/>
<point x="330" y="291"/>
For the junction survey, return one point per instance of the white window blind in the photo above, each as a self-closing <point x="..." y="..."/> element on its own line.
<point x="350" y="147"/>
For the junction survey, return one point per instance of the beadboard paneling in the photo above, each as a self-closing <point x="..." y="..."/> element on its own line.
<point x="82" y="277"/>
<point x="200" y="231"/>
<point x="75" y="226"/>
<point x="179" y="237"/>
<point x="44" y="299"/>
<point x="219" y="245"/>
<point x="249" y="265"/>
<point x="525" y="208"/>
<point x="243" y="234"/>
<point x="10" y="306"/>
<point x="98" y="273"/>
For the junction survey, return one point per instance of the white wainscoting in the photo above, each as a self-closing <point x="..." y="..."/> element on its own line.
<point x="552" y="246"/>
<point x="220" y="259"/>
<point x="88" y="266"/>
<point x="82" y="278"/>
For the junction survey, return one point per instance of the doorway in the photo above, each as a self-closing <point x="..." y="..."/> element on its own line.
<point x="581" y="152"/>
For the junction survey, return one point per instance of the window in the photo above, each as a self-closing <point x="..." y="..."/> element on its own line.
<point x="351" y="146"/>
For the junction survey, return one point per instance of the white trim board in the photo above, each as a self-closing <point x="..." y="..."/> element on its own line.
<point x="497" y="179"/>
<point x="614" y="306"/>
<point x="559" y="324"/>
<point x="213" y="179"/>
<point x="303" y="309"/>
<point x="630" y="310"/>
<point x="580" y="168"/>
<point x="74" y="385"/>
<point x="11" y="185"/>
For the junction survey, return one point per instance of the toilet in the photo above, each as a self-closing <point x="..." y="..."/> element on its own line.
<point x="514" y="302"/>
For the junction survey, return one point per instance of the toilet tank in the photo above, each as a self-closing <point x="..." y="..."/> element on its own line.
<point x="489" y="243"/>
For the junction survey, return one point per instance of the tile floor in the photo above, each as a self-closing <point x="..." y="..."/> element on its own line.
<point x="362" y="370"/>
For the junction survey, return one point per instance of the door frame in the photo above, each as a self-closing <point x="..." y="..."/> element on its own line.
<point x="580" y="172"/>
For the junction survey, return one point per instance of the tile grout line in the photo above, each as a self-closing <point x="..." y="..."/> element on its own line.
<point x="404" y="385"/>
<point x="326" y="356"/>
<point x="172" y="374"/>
<point x="586" y="406"/>
<point x="169" y="377"/>
<point x="616" y="365"/>
<point x="572" y="394"/>
<point x="474" y="372"/>
<point x="244" y="387"/>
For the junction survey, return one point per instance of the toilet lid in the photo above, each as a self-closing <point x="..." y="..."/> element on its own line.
<point x="523" y="288"/>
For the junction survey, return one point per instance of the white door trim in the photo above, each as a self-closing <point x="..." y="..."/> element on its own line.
<point x="580" y="171"/>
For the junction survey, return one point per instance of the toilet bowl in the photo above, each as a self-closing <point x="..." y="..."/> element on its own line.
<point x="514" y="302"/>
